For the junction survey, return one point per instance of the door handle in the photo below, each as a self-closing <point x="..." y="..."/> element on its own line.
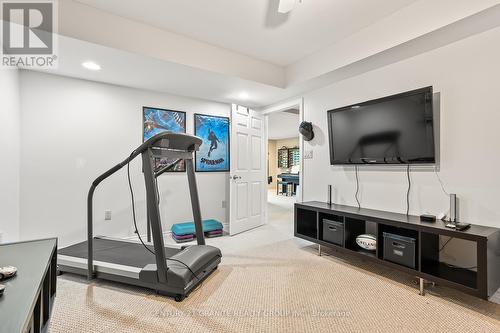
<point x="234" y="177"/>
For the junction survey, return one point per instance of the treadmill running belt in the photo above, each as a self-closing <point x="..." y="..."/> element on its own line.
<point x="116" y="252"/>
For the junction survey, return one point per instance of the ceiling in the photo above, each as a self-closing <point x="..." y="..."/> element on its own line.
<point x="283" y="125"/>
<point x="254" y="27"/>
<point x="130" y="54"/>
<point x="132" y="70"/>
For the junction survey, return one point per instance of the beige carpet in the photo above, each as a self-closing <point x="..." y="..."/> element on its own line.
<point x="281" y="287"/>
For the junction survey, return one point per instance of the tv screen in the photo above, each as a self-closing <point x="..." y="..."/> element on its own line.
<point x="392" y="130"/>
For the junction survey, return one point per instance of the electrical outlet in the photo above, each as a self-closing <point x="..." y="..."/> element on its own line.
<point x="107" y="215"/>
<point x="224" y="205"/>
<point x="308" y="155"/>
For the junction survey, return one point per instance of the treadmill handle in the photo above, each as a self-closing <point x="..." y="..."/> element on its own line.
<point x="90" y="209"/>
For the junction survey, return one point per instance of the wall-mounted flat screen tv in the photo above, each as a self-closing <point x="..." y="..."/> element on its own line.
<point x="396" y="129"/>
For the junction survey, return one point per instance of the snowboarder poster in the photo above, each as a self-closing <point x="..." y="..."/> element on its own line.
<point x="214" y="151"/>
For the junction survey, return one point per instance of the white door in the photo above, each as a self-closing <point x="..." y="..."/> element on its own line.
<point x="248" y="170"/>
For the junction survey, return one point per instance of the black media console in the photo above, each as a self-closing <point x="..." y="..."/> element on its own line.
<point x="482" y="280"/>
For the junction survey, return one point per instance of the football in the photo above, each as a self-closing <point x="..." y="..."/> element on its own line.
<point x="367" y="242"/>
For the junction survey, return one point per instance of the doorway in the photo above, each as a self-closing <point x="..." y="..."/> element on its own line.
<point x="284" y="163"/>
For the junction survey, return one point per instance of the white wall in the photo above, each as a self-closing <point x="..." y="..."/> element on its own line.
<point x="9" y="159"/>
<point x="415" y="20"/>
<point x="282" y="125"/>
<point x="72" y="131"/>
<point x="272" y="161"/>
<point x="467" y="76"/>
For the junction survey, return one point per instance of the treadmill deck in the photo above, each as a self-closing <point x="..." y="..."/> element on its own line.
<point x="130" y="263"/>
<point x="116" y="252"/>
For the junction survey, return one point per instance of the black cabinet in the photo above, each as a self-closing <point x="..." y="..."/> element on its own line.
<point x="410" y="245"/>
<point x="28" y="298"/>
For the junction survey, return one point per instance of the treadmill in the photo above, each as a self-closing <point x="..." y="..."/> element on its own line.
<point x="169" y="271"/>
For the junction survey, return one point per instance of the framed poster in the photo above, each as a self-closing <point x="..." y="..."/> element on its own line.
<point x="157" y="120"/>
<point x="213" y="155"/>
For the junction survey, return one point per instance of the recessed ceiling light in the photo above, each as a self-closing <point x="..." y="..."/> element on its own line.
<point x="243" y="95"/>
<point x="90" y="65"/>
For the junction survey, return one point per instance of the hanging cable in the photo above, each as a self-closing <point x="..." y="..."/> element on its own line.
<point x="185" y="265"/>
<point x="408" y="191"/>
<point x="133" y="207"/>
<point x="440" y="182"/>
<point x="450" y="265"/>
<point x="357" y="185"/>
<point x="444" y="245"/>
<point x="136" y="231"/>
<point x="158" y="191"/>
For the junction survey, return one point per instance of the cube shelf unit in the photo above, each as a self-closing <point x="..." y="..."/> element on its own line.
<point x="288" y="157"/>
<point x="293" y="157"/>
<point x="283" y="158"/>
<point x="482" y="281"/>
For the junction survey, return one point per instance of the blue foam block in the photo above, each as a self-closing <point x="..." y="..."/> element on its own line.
<point x="188" y="227"/>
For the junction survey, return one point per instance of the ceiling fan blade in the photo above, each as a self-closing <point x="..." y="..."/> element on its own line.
<point x="286" y="6"/>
